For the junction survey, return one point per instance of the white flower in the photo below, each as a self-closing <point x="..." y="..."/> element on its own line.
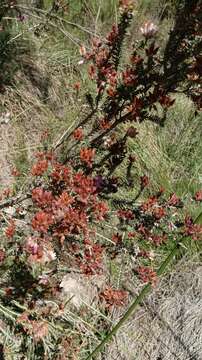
<point x="48" y="255"/>
<point x="43" y="279"/>
<point x="149" y="29"/>
<point x="81" y="62"/>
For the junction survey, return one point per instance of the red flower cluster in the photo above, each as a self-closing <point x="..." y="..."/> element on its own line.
<point x="60" y="173"/>
<point x="39" y="168"/>
<point x="77" y="86"/>
<point x="117" y="238"/>
<point x="112" y="78"/>
<point x="174" y="200"/>
<point x="10" y="230"/>
<point x="144" y="181"/>
<point x="132" y="133"/>
<point x="158" y="239"/>
<point x="132" y="235"/>
<point x="147" y="275"/>
<point x="135" y="108"/>
<point x="198" y="196"/>
<point x="15" y="172"/>
<point x="83" y="186"/>
<point x="129" y="77"/>
<point x="64" y="200"/>
<point x="126" y="4"/>
<point x="125" y="214"/>
<point x="101" y="58"/>
<point x="146" y="254"/>
<point x="66" y="209"/>
<point x="100" y="210"/>
<point x="149" y="204"/>
<point x="42" y="221"/>
<point x="2" y="255"/>
<point x="142" y="230"/>
<point x="91" y="263"/>
<point x="92" y="71"/>
<point x="114" y="297"/>
<point x="111" y="92"/>
<point x="42" y="197"/>
<point x="193" y="230"/>
<point x="104" y="124"/>
<point x="78" y="134"/>
<point x="5" y="193"/>
<point x="111" y="37"/>
<point x="87" y="156"/>
<point x="74" y="221"/>
<point x="166" y="101"/>
<point x="159" y="212"/>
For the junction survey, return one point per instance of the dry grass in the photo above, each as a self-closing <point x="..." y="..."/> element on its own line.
<point x="168" y="325"/>
<point x="31" y="114"/>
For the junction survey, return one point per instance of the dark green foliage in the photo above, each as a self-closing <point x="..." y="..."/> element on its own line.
<point x="184" y="41"/>
<point x="117" y="47"/>
<point x="10" y="51"/>
<point x="21" y="278"/>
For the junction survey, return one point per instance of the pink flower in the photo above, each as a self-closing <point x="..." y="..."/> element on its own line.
<point x="149" y="29"/>
<point x="31" y="246"/>
<point x="39" y="330"/>
<point x="198" y="196"/>
<point x="43" y="279"/>
<point x="39" y="253"/>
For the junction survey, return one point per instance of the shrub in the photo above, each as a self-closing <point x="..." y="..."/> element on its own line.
<point x="71" y="195"/>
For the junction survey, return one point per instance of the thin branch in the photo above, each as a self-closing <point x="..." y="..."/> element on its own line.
<point x="14" y="200"/>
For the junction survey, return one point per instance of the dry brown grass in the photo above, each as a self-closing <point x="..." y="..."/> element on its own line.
<point x="38" y="101"/>
<point x="168" y="325"/>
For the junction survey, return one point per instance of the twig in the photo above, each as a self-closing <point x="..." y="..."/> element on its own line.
<point x="14" y="200"/>
<point x="45" y="13"/>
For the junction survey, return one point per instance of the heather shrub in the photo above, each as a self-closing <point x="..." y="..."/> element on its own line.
<point x="71" y="216"/>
